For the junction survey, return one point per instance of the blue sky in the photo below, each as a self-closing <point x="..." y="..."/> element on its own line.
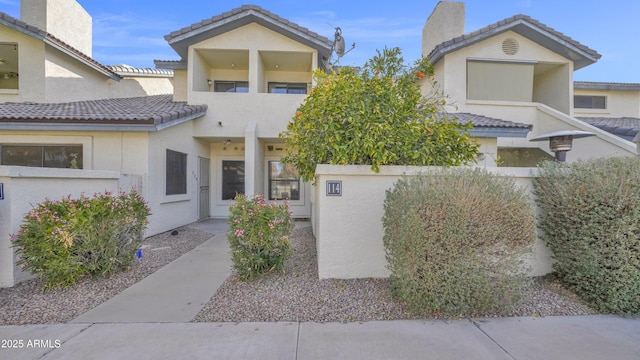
<point x="132" y="31"/>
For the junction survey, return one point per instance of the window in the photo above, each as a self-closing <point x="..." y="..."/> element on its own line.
<point x="287" y="88"/>
<point x="589" y="102"/>
<point x="176" y="173"/>
<point x="232" y="179"/>
<point x="49" y="156"/>
<point x="499" y="81"/>
<point x="284" y="181"/>
<point x="9" y="66"/>
<point x="231" y="86"/>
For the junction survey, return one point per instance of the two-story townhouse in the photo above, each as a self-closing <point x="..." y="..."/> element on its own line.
<point x="252" y="69"/>
<point x="518" y="69"/>
<point x="240" y="77"/>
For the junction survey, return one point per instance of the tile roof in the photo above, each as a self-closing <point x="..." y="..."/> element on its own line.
<point x="529" y="28"/>
<point x="605" y="85"/>
<point x="126" y="70"/>
<point x="51" y="40"/>
<point x="148" y="110"/>
<point x="246" y="14"/>
<point x="484" y="121"/>
<point x="627" y="128"/>
<point x="487" y="127"/>
<point x="246" y="8"/>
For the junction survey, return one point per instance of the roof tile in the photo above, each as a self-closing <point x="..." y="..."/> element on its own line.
<point x="481" y="121"/>
<point x="239" y="10"/>
<point x="140" y="110"/>
<point x="624" y="127"/>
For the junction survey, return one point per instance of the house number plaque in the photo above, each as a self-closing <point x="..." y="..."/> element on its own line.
<point x="334" y="187"/>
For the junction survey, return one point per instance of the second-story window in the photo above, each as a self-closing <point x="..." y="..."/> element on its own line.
<point x="589" y="102"/>
<point x="287" y="88"/>
<point x="231" y="86"/>
<point x="9" y="66"/>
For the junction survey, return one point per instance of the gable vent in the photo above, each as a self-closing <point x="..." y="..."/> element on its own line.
<point x="510" y="46"/>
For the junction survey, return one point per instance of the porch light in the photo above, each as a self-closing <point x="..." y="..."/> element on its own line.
<point x="561" y="141"/>
<point x="209" y="82"/>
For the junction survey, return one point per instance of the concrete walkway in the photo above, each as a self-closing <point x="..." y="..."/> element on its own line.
<point x="176" y="292"/>
<point x="150" y="320"/>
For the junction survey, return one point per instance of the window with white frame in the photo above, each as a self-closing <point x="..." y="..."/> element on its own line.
<point x="232" y="178"/>
<point x="589" y="102"/>
<point x="176" y="180"/>
<point x="284" y="181"/>
<point x="287" y="88"/>
<point x="231" y="86"/>
<point x="42" y="155"/>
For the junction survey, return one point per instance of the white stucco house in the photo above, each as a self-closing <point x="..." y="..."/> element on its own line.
<point x="194" y="131"/>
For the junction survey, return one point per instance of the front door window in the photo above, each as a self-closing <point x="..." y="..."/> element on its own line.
<point x="232" y="179"/>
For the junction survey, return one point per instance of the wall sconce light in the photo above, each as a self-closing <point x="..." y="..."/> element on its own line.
<point x="277" y="66"/>
<point x="561" y="141"/>
<point x="209" y="82"/>
<point x="233" y="65"/>
<point x="220" y="123"/>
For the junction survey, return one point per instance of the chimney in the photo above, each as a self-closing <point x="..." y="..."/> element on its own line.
<point x="64" y="19"/>
<point x="445" y="23"/>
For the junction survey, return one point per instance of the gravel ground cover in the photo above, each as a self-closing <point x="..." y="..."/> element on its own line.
<point x="29" y="303"/>
<point x="298" y="295"/>
<point x="293" y="295"/>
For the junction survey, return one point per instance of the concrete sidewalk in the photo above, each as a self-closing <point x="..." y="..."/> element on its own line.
<point x="562" y="338"/>
<point x="150" y="320"/>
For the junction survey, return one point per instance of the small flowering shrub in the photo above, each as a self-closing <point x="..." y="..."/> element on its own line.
<point x="65" y="240"/>
<point x="258" y="235"/>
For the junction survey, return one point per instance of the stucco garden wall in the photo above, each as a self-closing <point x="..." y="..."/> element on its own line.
<point x="24" y="187"/>
<point x="348" y="228"/>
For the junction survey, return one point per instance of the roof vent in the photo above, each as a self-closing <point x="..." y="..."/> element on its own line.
<point x="510" y="46"/>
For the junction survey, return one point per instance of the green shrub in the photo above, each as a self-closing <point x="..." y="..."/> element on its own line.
<point x="62" y="241"/>
<point x="258" y="235"/>
<point x="454" y="241"/>
<point x="591" y="221"/>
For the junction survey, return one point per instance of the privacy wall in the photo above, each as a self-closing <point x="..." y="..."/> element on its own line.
<point x="348" y="206"/>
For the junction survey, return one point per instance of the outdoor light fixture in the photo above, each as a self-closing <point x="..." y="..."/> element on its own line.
<point x="560" y="141"/>
<point x="209" y="82"/>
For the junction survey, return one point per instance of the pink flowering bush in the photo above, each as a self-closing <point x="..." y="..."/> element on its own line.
<point x="258" y="235"/>
<point x="62" y="241"/>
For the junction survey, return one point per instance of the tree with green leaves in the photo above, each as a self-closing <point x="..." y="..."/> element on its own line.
<point x="376" y="116"/>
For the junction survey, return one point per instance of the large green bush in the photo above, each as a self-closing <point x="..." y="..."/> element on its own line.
<point x="377" y="116"/>
<point x="62" y="241"/>
<point x="591" y="221"/>
<point x="454" y="241"/>
<point x="258" y="235"/>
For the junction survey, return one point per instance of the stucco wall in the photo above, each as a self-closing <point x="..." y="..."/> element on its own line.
<point x="65" y="19"/>
<point x="172" y="211"/>
<point x="24" y="186"/>
<point x="31" y="55"/>
<point x="618" y="103"/>
<point x="545" y="120"/>
<point x="348" y="228"/>
<point x="454" y="81"/>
